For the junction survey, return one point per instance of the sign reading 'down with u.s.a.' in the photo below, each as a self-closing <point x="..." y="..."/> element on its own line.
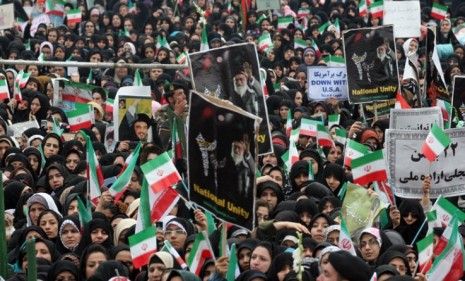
<point x="327" y="82"/>
<point x="408" y="167"/>
<point x="415" y="118"/>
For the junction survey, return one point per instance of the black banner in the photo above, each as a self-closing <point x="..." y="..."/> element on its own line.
<point x="222" y="155"/>
<point x="458" y="97"/>
<point x="372" y="73"/>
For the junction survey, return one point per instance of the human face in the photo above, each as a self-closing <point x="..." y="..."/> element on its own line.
<point x="305" y="217"/>
<point x="334" y="154"/>
<point x="70" y="236"/>
<point x="369" y="247"/>
<point x="317" y="229"/>
<point x="155" y="271"/>
<point x="49" y="224"/>
<point x="73" y="208"/>
<point x="399" y="264"/>
<point x="333" y="237"/>
<point x="328" y="273"/>
<point x="65" y="276"/>
<point x="283" y="110"/>
<point x="300" y="179"/>
<point x="34" y="212"/>
<point x="410" y="218"/>
<point x="244" y="259"/>
<point x="51" y="147"/>
<point x="33" y="70"/>
<point x="283" y="272"/>
<point x="35" y="106"/>
<point x="328" y="207"/>
<point x="34" y="161"/>
<point x="125" y="258"/>
<point x="270" y="159"/>
<point x="42" y="251"/>
<point x="262" y="213"/>
<point x="277" y="176"/>
<point x="412" y="261"/>
<point x="72" y="161"/>
<point x="141" y="130"/>
<point x="176" y="236"/>
<point x="93" y="262"/>
<point x="298" y="99"/>
<point x="270" y="197"/>
<point x="333" y="182"/>
<point x="260" y="259"/>
<point x="55" y="179"/>
<point x="98" y="235"/>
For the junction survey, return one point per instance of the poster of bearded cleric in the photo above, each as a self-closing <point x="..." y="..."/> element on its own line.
<point x="222" y="153"/>
<point x="232" y="73"/>
<point x="372" y="73"/>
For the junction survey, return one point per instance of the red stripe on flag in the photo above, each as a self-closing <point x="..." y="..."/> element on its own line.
<point x="428" y="153"/>
<point x="74" y="98"/>
<point x="143" y="259"/>
<point x="4" y="95"/>
<point x="375" y="176"/>
<point x="441" y="245"/>
<point x="456" y="271"/>
<point x="178" y="150"/>
<point x="204" y="256"/>
<point x="325" y="143"/>
<point x="167" y="181"/>
<point x="164" y="202"/>
<point x="307" y="133"/>
<point x="83" y="125"/>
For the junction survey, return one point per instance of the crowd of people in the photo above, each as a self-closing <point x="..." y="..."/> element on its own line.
<point x="45" y="173"/>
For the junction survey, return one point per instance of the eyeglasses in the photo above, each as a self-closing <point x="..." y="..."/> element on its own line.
<point x="177" y="232"/>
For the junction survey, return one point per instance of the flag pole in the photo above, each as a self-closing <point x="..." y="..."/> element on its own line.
<point x="418" y="232"/>
<point x="3" y="249"/>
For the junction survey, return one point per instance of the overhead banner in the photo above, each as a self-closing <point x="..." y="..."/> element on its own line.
<point x="372" y="73"/>
<point x="458" y="97"/>
<point x="408" y="166"/>
<point x="327" y="82"/>
<point x="232" y="73"/>
<point x="222" y="158"/>
<point x="263" y="5"/>
<point x="415" y="118"/>
<point x="405" y="16"/>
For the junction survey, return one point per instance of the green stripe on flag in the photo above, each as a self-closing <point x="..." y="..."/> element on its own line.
<point x="143" y="235"/>
<point x="440" y="135"/>
<point x="232" y="265"/>
<point x="155" y="163"/>
<point x="368" y="158"/>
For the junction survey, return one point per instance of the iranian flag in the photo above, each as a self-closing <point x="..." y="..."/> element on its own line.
<point x="284" y="22"/>
<point x="300" y="43"/>
<point x="446" y="110"/>
<point x="84" y="212"/>
<point x="303" y="12"/>
<point x="354" y="150"/>
<point x="445" y="211"/>
<point x="438" y="11"/>
<point x="311" y="173"/>
<point x="81" y="117"/>
<point x="449" y="265"/>
<point x="401" y="102"/>
<point x="109" y="105"/>
<point x="119" y="186"/>
<point x="384" y="192"/>
<point x="4" y="91"/>
<point x="204" y="40"/>
<point x="293" y="154"/>
<point x="264" y="42"/>
<point x="181" y="59"/>
<point x="334" y="61"/>
<point x="425" y="253"/>
<point x="142" y="245"/>
<point x="137" y="79"/>
<point x="154" y="206"/>
<point x="22" y="78"/>
<point x="345" y="241"/>
<point x="333" y="119"/>
<point x="288" y="125"/>
<point x="377" y="9"/>
<point x="55" y="7"/>
<point x="341" y="135"/>
<point x="323" y="137"/>
<point x="369" y="168"/>
<point x="73" y="16"/>
<point x="161" y="42"/>
<point x="161" y="173"/>
<point x="435" y="143"/>
<point x="176" y="145"/>
<point x="201" y="252"/>
<point x="362" y="8"/>
<point x="233" y="266"/>
<point x="167" y="247"/>
<point x="308" y="127"/>
<point x="94" y="171"/>
<point x="374" y="277"/>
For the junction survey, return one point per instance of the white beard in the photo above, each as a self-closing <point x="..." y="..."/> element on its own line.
<point x="240" y="90"/>
<point x="382" y="56"/>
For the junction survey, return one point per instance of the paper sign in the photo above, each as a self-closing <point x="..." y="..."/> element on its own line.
<point x="7" y="19"/>
<point x="327" y="82"/>
<point x="405" y="16"/>
<point x="263" y="5"/>
<point x="415" y="118"/>
<point x="19" y="128"/>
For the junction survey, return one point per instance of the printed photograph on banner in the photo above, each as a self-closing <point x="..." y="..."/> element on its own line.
<point x="458" y="97"/>
<point x="327" y="82"/>
<point x="66" y="93"/>
<point x="407" y="166"/>
<point x="232" y="73"/>
<point x="133" y="118"/>
<point x="222" y="154"/>
<point x="378" y="110"/>
<point x="371" y="62"/>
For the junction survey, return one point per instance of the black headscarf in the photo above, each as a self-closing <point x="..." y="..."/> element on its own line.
<point x="336" y="171"/>
<point x="408" y="232"/>
<point x="63" y="266"/>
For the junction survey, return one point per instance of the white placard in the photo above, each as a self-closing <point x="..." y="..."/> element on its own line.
<point x="415" y="118"/>
<point x="263" y="5"/>
<point x="7" y="18"/>
<point x="408" y="167"/>
<point x="19" y="128"/>
<point x="327" y="82"/>
<point x="405" y="16"/>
